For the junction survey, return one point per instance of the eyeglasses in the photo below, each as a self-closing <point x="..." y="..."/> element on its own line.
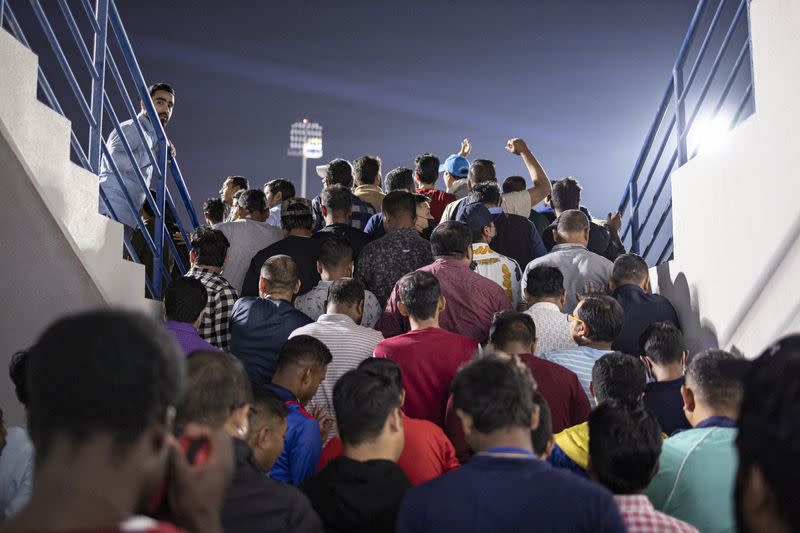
<point x="573" y="318"/>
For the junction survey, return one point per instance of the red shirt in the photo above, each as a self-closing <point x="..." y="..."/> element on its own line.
<point x="427" y="452"/>
<point x="439" y="200"/>
<point x="428" y="359"/>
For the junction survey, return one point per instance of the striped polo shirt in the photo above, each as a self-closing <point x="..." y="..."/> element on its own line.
<point x="580" y="360"/>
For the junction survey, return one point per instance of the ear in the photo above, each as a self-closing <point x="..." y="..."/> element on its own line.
<point x="555" y="235"/>
<point x="688" y="399"/>
<point x="319" y="268"/>
<point x="685" y="360"/>
<point x="535" y="418"/>
<point x="533" y="346"/>
<point x="442" y="303"/>
<point x="611" y="284"/>
<point x="646" y="284"/>
<point x="261" y="439"/>
<point x="262" y="286"/>
<point x="591" y="388"/>
<point x="551" y="443"/>
<point x="401" y="308"/>
<point x="297" y="287"/>
<point x="395" y="421"/>
<point x="192" y="257"/>
<point x="324" y="210"/>
<point x="360" y="307"/>
<point x="141" y="104"/>
<point x="466" y="422"/>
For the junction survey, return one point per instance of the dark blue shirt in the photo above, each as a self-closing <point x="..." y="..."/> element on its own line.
<point x="259" y="329"/>
<point x="641" y="310"/>
<point x="502" y="495"/>
<point x="375" y="229"/>
<point x="664" y="399"/>
<point x="302" y="443"/>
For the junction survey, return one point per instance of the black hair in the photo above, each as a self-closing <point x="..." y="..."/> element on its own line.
<point x="365" y="168"/>
<point x="160" y="87"/>
<point x="514" y="184"/>
<point x="216" y="384"/>
<point x="253" y="200"/>
<point x="566" y="194"/>
<point x="340" y="171"/>
<point x="214" y="210"/>
<point x="346" y="291"/>
<point x="629" y="269"/>
<point x="711" y="383"/>
<point x="419" y="291"/>
<point x="540" y="437"/>
<point x="496" y="393"/>
<point x="384" y="367"/>
<point x="511" y="326"/>
<point x="280" y="271"/>
<point x="302" y="349"/>
<point x="399" y="179"/>
<point x="397" y="204"/>
<point x="618" y="376"/>
<point x="451" y="238"/>
<point x="481" y="171"/>
<point x="427" y="168"/>
<point x="18" y="372"/>
<point x="603" y="316"/>
<point x="363" y="401"/>
<point x="266" y="406"/>
<point x="240" y="182"/>
<point x="572" y="221"/>
<point x="544" y="282"/>
<point x="109" y="371"/>
<point x="185" y="299"/>
<point x="280" y="185"/>
<point x="210" y="247"/>
<point x="485" y="193"/>
<point x="663" y="343"/>
<point x="624" y="446"/>
<point x="298" y="217"/>
<point x="335" y="252"/>
<point x="336" y="198"/>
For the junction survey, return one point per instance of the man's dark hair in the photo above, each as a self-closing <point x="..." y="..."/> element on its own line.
<point x="496" y="393"/>
<point x="253" y="201"/>
<point x="383" y="367"/>
<point x="399" y="204"/>
<point x="160" y="87"/>
<point x="216" y="384"/>
<point x="514" y="184"/>
<point x="281" y="272"/>
<point x="572" y="221"/>
<point x="624" y="446"/>
<point x="544" y="282"/>
<point x="340" y="171"/>
<point x="481" y="171"/>
<point x="427" y="168"/>
<point x="511" y="326"/>
<point x="280" y="185"/>
<point x="419" y="291"/>
<point x="240" y="182"/>
<point x="335" y="252"/>
<point x="663" y="343"/>
<point x="214" y="210"/>
<point x="210" y="247"/>
<point x="346" y="291"/>
<point x="18" y="372"/>
<point x="363" y="401"/>
<point x="399" y="179"/>
<point x="185" y="299"/>
<point x="336" y="199"/>
<point x="365" y="168"/>
<point x="303" y="349"/>
<point x="485" y="193"/>
<point x="540" y="437"/>
<point x="110" y="371"/>
<point x="603" y="315"/>
<point x="451" y="239"/>
<point x="629" y="269"/>
<point x="618" y="376"/>
<point x="298" y="217"/>
<point x="709" y="381"/>
<point x="266" y="406"/>
<point x="566" y="194"/>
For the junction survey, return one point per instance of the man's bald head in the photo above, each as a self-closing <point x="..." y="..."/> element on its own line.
<point x="279" y="277"/>
<point x="573" y="228"/>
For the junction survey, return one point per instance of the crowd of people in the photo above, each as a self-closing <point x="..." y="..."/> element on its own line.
<point x="392" y="356"/>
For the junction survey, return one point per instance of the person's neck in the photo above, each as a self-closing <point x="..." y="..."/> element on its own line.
<point x="257" y="217"/>
<point x="370" y="451"/>
<point x="416" y="323"/>
<point x="284" y="381"/>
<point x="597" y="345"/>
<point x="214" y="269"/>
<point x="349" y="311"/>
<point x="515" y="348"/>
<point x="279" y="296"/>
<point x="545" y="300"/>
<point x="426" y="186"/>
<point x="704" y="412"/>
<point x="394" y="226"/>
<point x="299" y="232"/>
<point x="463" y="259"/>
<point x="337" y="219"/>
<point x="668" y="372"/>
<point x="509" y="437"/>
<point x="575" y="241"/>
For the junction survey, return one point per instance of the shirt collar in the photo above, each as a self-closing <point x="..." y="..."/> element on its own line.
<point x="337" y="318"/>
<point x="495" y="210"/>
<point x="203" y="270"/>
<point x="634" y="500"/>
<point x="369" y="187"/>
<point x="283" y="394"/>
<point x="451" y="261"/>
<point x="567" y="246"/>
<point x="180" y="326"/>
<point x="628" y="287"/>
<point x="716" y="422"/>
<point x="550" y="306"/>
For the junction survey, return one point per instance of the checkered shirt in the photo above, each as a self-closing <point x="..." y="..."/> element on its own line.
<point x="362" y="212"/>
<point x="640" y="517"/>
<point x="215" y="326"/>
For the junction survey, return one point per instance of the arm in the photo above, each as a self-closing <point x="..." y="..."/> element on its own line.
<point x="391" y="322"/>
<point x="304" y="455"/>
<point x="541" y="183"/>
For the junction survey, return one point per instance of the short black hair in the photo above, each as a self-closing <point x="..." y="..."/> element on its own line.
<point x="485" y="193"/>
<point x="544" y="282"/>
<point x="106" y="371"/>
<point x="185" y="299"/>
<point x="304" y="349"/>
<point x="514" y="184"/>
<point x="624" y="445"/>
<point x="363" y="401"/>
<point x="709" y="381"/>
<point x="253" y="200"/>
<point x="160" y="87"/>
<point x="18" y="372"/>
<point x="397" y="204"/>
<point x="663" y="343"/>
<point x="346" y="291"/>
<point x="299" y="216"/>
<point x="496" y="393"/>
<point x="427" y="168"/>
<point x="266" y="406"/>
<point x="511" y="326"/>
<point x="340" y="171"/>
<point x="481" y="171"/>
<point x="214" y="210"/>
<point x="451" y="238"/>
<point x="336" y="198"/>
<point x="629" y="269"/>
<point x="210" y="247"/>
<point x="216" y="384"/>
<point x="603" y="315"/>
<point x="365" y="168"/>
<point x="280" y="271"/>
<point x="240" y="182"/>
<point x="540" y="437"/>
<point x="399" y="179"/>
<point x="280" y="185"/>
<point x="566" y="194"/>
<point x="419" y="291"/>
<point x="384" y="367"/>
<point x="618" y="376"/>
<point x="335" y="252"/>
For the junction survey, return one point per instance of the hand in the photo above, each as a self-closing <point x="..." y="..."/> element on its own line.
<point x="325" y="420"/>
<point x="171" y="148"/>
<point x="516" y="146"/>
<point x="614" y="221"/>
<point x="466" y="148"/>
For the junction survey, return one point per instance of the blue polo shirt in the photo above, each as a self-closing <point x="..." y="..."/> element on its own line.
<point x="302" y="444"/>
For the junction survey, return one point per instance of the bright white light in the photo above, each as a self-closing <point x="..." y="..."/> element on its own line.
<point x="706" y="134"/>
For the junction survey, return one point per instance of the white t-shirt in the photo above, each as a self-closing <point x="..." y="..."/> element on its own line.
<point x="247" y="238"/>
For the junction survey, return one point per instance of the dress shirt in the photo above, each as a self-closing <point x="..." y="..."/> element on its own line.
<point x="246" y="237"/>
<point x="215" y="326"/>
<point x="312" y="304"/>
<point x="302" y="444"/>
<point x="304" y="251"/>
<point x="640" y="516"/>
<point x="580" y="360"/>
<point x="16" y="472"/>
<point x="362" y="211"/>
<point x="439" y="201"/>
<point x="552" y="328"/>
<point x="501" y="269"/>
<point x="578" y="265"/>
<point x="640" y="310"/>
<point x="472" y="301"/>
<point x="371" y="194"/>
<point x="600" y="241"/>
<point x="187" y="337"/>
<point x="384" y="261"/>
<point x="275" y="216"/>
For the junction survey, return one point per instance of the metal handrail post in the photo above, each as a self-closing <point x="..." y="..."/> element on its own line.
<point x="98" y="84"/>
<point x="633" y="188"/>
<point x="160" y="179"/>
<point x="680" y="114"/>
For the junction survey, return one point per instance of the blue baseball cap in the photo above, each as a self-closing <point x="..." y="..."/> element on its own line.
<point x="456" y="165"/>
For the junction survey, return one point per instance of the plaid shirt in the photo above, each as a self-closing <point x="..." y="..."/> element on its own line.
<point x="362" y="212"/>
<point x="215" y="326"/>
<point x="640" y="517"/>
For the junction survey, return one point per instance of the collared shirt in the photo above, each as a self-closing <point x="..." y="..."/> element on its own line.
<point x="16" y="472"/>
<point x="304" y="251"/>
<point x="127" y="169"/>
<point x="372" y="194"/>
<point x="640" y="310"/>
<point x="275" y="216"/>
<point x="215" y="326"/>
<point x="600" y="241"/>
<point x="349" y="344"/>
<point x="552" y="328"/>
<point x="187" y="337"/>
<point x="578" y="265"/>
<point x="501" y="269"/>
<point x="246" y="237"/>
<point x="439" y="201"/>
<point x="472" y="301"/>
<point x="640" y="516"/>
<point x="384" y="261"/>
<point x="580" y="360"/>
<point x="514" y="203"/>
<point x="362" y="211"/>
<point x="302" y="444"/>
<point x="312" y="304"/>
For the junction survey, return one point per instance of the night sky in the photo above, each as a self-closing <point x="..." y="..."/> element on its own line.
<point x="578" y="79"/>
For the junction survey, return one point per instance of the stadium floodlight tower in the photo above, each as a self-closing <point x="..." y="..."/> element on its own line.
<point x="305" y="140"/>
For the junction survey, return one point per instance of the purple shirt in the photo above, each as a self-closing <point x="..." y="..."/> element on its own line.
<point x="187" y="337"/>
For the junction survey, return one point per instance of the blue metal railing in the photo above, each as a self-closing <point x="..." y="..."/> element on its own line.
<point x="99" y="106"/>
<point x="676" y="135"/>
